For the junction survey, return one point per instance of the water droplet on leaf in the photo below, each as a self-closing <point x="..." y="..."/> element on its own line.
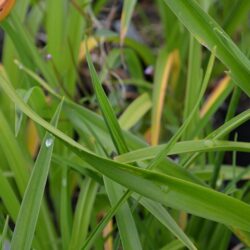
<point x="49" y="142"/>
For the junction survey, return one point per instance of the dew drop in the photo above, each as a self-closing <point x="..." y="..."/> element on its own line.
<point x="49" y="142"/>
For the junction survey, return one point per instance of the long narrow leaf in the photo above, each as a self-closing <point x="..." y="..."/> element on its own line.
<point x="125" y="221"/>
<point x="108" y="113"/>
<point x="184" y="147"/>
<point x="135" y="111"/>
<point x="83" y="214"/>
<point x="210" y="34"/>
<point x="80" y="116"/>
<point x="167" y="190"/>
<point x="127" y="11"/>
<point x="30" y="207"/>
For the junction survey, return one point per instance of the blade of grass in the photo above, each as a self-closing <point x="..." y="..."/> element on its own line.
<point x="81" y="113"/>
<point x="9" y="51"/>
<point x="226" y="173"/>
<point x="55" y="21"/>
<point x="210" y="34"/>
<point x="127" y="11"/>
<point x="115" y="193"/>
<point x="222" y="131"/>
<point x="83" y="213"/>
<point x="65" y="207"/>
<point x="183" y="148"/>
<point x="4" y="233"/>
<point x="82" y="168"/>
<point x="238" y="12"/>
<point x="203" y="202"/>
<point x="19" y="115"/>
<point x="214" y="101"/>
<point x="108" y="113"/>
<point x="30" y="207"/>
<point x="220" y="239"/>
<point x="80" y="116"/>
<point x="19" y="165"/>
<point x="166" y="219"/>
<point x="164" y="65"/>
<point x="233" y="123"/>
<point x="9" y="197"/>
<point x="77" y="24"/>
<point x="133" y="63"/>
<point x="205" y="82"/>
<point x="25" y="47"/>
<point x="174" y="245"/>
<point x="126" y="225"/>
<point x="161" y="155"/>
<point x="194" y="81"/>
<point x="156" y="210"/>
<point x="135" y="111"/>
<point x="231" y="111"/>
<point x="128" y="231"/>
<point x="221" y="88"/>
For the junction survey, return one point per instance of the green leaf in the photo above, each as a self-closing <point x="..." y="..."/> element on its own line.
<point x="124" y="217"/>
<point x="19" y="167"/>
<point x="127" y="11"/>
<point x="126" y="224"/>
<point x="25" y="46"/>
<point x="8" y="197"/>
<point x="65" y="207"/>
<point x="162" y="154"/>
<point x="183" y="148"/>
<point x="18" y="164"/>
<point x="108" y="113"/>
<point x="80" y="116"/>
<point x="30" y="207"/>
<point x="173" y="245"/>
<point x="210" y="34"/>
<point x="161" y="78"/>
<point x="165" y="189"/>
<point x="19" y="115"/>
<point x="135" y="111"/>
<point x="4" y="233"/>
<point x="230" y="125"/>
<point x="194" y="80"/>
<point x="223" y="130"/>
<point x="166" y="219"/>
<point x="82" y="216"/>
<point x="156" y="209"/>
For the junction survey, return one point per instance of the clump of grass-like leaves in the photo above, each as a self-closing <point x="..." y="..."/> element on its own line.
<point x="109" y="136"/>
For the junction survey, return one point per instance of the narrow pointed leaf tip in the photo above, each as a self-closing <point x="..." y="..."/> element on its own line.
<point x="5" y="8"/>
